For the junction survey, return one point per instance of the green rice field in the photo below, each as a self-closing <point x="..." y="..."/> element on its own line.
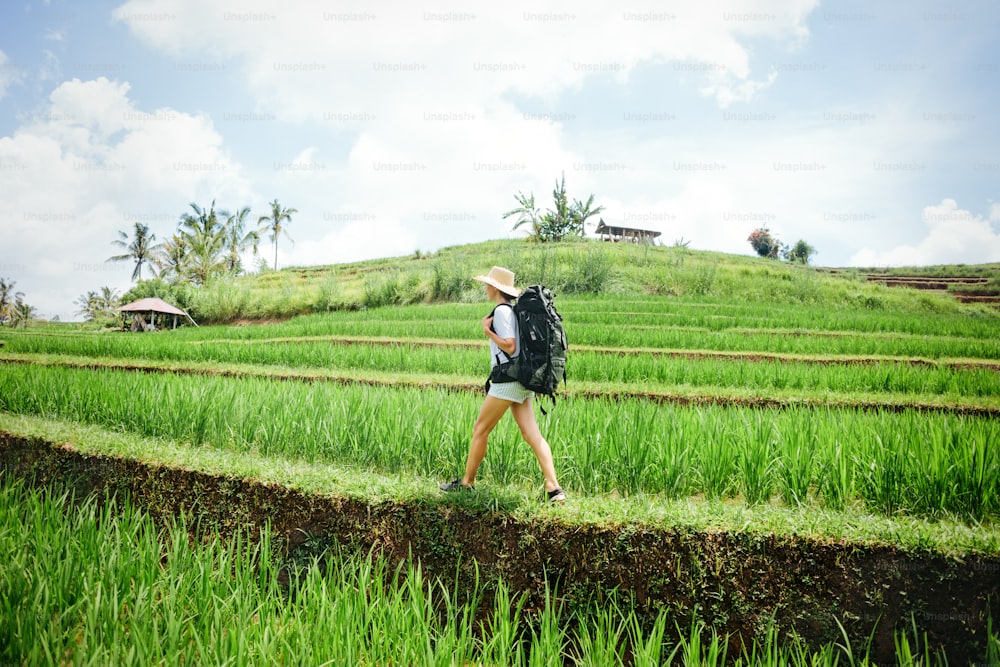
<point x="866" y="415"/>
<point x="89" y="584"/>
<point x="379" y="417"/>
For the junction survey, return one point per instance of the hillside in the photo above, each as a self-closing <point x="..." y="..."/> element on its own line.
<point x="574" y="267"/>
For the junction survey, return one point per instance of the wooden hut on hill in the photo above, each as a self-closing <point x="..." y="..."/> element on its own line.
<point x="616" y="234"/>
<point x="145" y="312"/>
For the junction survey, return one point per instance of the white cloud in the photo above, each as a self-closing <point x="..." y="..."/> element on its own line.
<point x="726" y="89"/>
<point x="296" y="53"/>
<point x="91" y="165"/>
<point x="441" y="137"/>
<point x="953" y="235"/>
<point x="366" y="237"/>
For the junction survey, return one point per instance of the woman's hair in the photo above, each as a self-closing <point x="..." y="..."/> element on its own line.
<point x="506" y="297"/>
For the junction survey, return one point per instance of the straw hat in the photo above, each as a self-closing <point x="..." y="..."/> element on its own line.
<point x="502" y="279"/>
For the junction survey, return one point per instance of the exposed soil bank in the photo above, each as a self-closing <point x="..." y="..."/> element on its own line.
<point x="944" y="284"/>
<point x="733" y="581"/>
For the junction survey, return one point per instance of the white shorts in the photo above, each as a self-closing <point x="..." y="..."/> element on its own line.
<point x="510" y="391"/>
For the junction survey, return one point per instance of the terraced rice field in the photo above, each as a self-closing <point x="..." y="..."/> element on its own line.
<point x="662" y="398"/>
<point x="866" y="413"/>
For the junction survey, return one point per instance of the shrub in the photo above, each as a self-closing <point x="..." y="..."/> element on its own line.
<point x="763" y="243"/>
<point x="800" y="252"/>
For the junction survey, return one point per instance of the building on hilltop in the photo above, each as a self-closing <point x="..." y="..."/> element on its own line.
<point x="614" y="234"/>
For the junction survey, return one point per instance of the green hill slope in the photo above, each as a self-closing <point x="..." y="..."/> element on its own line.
<point x="573" y="267"/>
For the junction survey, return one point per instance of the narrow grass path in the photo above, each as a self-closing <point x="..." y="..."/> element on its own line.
<point x="950" y="537"/>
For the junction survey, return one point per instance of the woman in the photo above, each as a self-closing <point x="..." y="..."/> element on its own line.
<point x="500" y="326"/>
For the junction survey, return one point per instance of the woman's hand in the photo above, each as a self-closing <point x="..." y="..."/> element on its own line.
<point x="488" y="325"/>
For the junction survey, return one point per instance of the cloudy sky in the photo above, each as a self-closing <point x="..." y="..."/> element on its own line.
<point x="867" y="128"/>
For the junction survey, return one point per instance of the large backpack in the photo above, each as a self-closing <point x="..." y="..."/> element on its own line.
<point x="541" y="363"/>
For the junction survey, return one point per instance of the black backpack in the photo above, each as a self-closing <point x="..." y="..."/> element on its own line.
<point x="541" y="363"/>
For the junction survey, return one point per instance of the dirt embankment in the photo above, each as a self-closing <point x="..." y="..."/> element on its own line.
<point x="732" y="581"/>
<point x="967" y="289"/>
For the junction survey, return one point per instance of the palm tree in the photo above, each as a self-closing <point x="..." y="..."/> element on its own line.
<point x="88" y="305"/>
<point x="582" y="211"/>
<point x="278" y="215"/>
<point x="94" y="305"/>
<point x="527" y="213"/>
<point x="173" y="259"/>
<point x="239" y="240"/>
<point x="204" y="239"/>
<point x="558" y="221"/>
<point x="8" y="299"/>
<point x="21" y="312"/>
<point x="141" y="249"/>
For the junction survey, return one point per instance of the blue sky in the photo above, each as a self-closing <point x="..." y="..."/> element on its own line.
<point x="866" y="128"/>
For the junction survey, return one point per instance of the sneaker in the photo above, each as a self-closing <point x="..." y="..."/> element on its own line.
<point x="557" y="496"/>
<point x="455" y="485"/>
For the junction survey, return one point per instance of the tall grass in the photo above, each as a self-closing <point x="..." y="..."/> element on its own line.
<point x="708" y="313"/>
<point x="891" y="462"/>
<point x="626" y="313"/>
<point x="88" y="583"/>
<point x="644" y="370"/>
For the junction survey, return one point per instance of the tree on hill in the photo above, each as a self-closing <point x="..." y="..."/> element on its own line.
<point x="172" y="261"/>
<point x="100" y="304"/>
<point x="8" y="300"/>
<point x="527" y="213"/>
<point x="583" y="211"/>
<point x="14" y="310"/>
<point x="207" y="243"/>
<point x="564" y="219"/>
<point x="557" y="222"/>
<point x="800" y="252"/>
<point x="764" y="243"/>
<point x="23" y="312"/>
<point x="239" y="240"/>
<point x="272" y="224"/>
<point x="142" y="249"/>
<point x="204" y="238"/>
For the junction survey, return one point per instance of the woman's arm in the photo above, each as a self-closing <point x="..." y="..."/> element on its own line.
<point x="508" y="345"/>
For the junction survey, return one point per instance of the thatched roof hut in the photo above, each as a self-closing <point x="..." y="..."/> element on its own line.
<point x="145" y="313"/>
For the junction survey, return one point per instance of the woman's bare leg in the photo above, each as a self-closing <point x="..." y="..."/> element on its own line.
<point x="491" y="412"/>
<point x="524" y="415"/>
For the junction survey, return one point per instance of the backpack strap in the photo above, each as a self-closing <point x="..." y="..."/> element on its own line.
<point x="493" y="314"/>
<point x="500" y="362"/>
